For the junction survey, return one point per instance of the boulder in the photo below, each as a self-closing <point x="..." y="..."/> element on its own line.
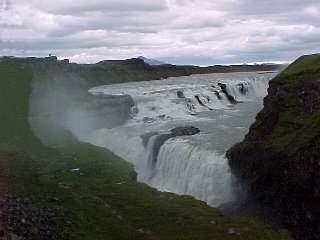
<point x="184" y="131"/>
<point x="180" y="94"/>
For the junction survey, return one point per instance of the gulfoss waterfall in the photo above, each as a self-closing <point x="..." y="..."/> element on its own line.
<point x="221" y="106"/>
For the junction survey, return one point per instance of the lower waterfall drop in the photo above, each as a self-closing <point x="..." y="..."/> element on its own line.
<point x="192" y="170"/>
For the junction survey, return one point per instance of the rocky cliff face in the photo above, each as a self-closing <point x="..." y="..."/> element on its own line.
<point x="280" y="156"/>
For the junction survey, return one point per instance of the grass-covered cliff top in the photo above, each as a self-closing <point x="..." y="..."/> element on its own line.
<point x="290" y="119"/>
<point x="304" y="69"/>
<point x="93" y="190"/>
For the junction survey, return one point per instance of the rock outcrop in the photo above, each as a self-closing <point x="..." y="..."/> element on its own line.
<point x="225" y="91"/>
<point x="180" y="94"/>
<point x="280" y="156"/>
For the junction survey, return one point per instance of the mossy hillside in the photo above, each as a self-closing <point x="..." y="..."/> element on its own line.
<point x="14" y="131"/>
<point x="304" y="69"/>
<point x="290" y="119"/>
<point x="16" y="134"/>
<point x="101" y="200"/>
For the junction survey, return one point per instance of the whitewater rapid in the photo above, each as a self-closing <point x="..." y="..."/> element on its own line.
<point x="222" y="106"/>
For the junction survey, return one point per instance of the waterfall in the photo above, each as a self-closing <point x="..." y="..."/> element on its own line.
<point x="180" y="167"/>
<point x="191" y="170"/>
<point x="222" y="106"/>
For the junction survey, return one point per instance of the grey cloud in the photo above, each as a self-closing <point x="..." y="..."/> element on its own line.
<point x="252" y="7"/>
<point x="178" y="31"/>
<point x="63" y="7"/>
<point x="148" y="22"/>
<point x="208" y="19"/>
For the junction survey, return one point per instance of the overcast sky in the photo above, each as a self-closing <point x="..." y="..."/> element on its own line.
<point x="201" y="32"/>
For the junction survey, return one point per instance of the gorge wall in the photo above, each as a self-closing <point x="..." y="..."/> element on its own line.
<point x="280" y="156"/>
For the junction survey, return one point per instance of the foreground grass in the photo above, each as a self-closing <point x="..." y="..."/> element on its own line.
<point x="95" y="190"/>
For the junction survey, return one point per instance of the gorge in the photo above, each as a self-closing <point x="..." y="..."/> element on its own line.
<point x="175" y="132"/>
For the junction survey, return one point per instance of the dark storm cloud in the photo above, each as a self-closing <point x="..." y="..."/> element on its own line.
<point x="178" y="31"/>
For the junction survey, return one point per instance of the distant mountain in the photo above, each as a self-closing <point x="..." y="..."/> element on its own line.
<point x="151" y="62"/>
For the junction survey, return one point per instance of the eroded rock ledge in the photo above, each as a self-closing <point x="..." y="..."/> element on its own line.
<point x="280" y="156"/>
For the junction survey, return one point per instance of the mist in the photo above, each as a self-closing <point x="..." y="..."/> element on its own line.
<point x="61" y="108"/>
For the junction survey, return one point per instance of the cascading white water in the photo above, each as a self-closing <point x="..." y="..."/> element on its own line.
<point x="187" y="169"/>
<point x="192" y="165"/>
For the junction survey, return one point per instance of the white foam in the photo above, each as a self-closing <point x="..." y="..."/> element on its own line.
<point x="158" y="101"/>
<point x="192" y="170"/>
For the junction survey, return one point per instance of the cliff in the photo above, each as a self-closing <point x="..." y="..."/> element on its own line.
<point x="280" y="156"/>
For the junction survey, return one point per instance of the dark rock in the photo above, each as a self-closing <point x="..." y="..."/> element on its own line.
<point x="65" y="61"/>
<point x="183" y="131"/>
<point x="133" y="175"/>
<point x="199" y="100"/>
<point x="148" y="119"/>
<point x="52" y="58"/>
<point x="225" y="91"/>
<point x="20" y="219"/>
<point x="180" y="94"/>
<point x="190" y="106"/>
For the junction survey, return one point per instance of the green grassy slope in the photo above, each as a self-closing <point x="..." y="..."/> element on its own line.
<point x="101" y="200"/>
<point x="14" y="92"/>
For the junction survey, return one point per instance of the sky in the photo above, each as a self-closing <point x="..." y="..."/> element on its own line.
<point x="200" y="32"/>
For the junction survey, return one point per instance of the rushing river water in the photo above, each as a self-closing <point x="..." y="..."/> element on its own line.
<point x="222" y="106"/>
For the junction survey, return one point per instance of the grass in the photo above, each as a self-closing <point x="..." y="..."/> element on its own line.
<point x="294" y="133"/>
<point x="101" y="200"/>
<point x="297" y="127"/>
<point x="301" y="71"/>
